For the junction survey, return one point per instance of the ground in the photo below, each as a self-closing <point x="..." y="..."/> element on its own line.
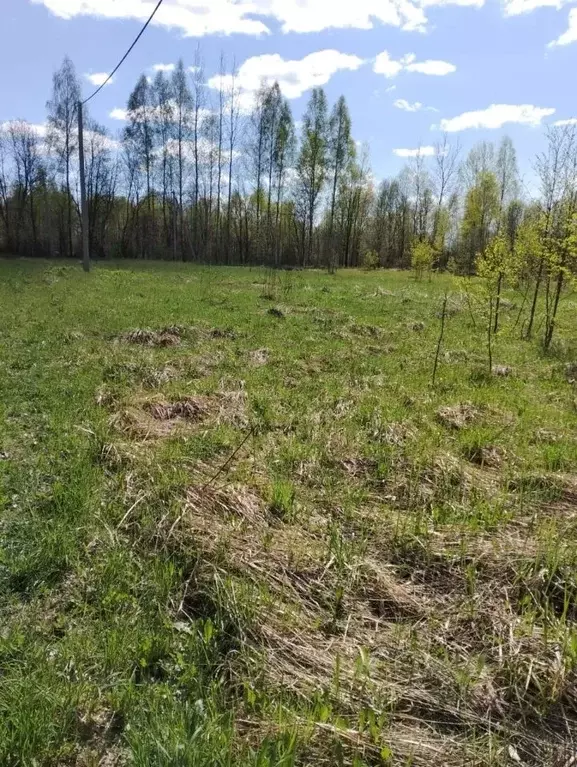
<point x="241" y="526"/>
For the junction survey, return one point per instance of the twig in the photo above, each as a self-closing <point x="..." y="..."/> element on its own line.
<point x="471" y="310"/>
<point x="490" y="350"/>
<point x="228" y="460"/>
<point x="443" y="314"/>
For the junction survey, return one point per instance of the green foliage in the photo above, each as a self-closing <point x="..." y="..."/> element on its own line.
<point x="371" y="260"/>
<point x="480" y="216"/>
<point x="422" y="258"/>
<point x="282" y="499"/>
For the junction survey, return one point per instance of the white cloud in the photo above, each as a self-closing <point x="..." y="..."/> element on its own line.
<point x="497" y="115"/>
<point x="570" y="34"/>
<point x="518" y="7"/>
<point x="463" y="3"/>
<point x="432" y="67"/>
<point x="119" y="114"/>
<point x="569" y="121"/>
<point x="39" y="129"/>
<point x="406" y="106"/>
<point x="420" y="151"/>
<point x="98" y="78"/>
<point x="294" y="77"/>
<point x="416" y="106"/>
<point x="385" y="65"/>
<point x="197" y="18"/>
<point x="163" y="67"/>
<point x="154" y="113"/>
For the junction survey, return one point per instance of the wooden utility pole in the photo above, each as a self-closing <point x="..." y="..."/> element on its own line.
<point x="83" y="204"/>
<point x="174" y="234"/>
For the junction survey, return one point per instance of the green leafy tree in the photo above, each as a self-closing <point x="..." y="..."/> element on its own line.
<point x="181" y="130"/>
<point x="341" y="153"/>
<point x="422" y="258"/>
<point x="62" y="138"/>
<point x="480" y="217"/>
<point x="312" y="165"/>
<point x="283" y="157"/>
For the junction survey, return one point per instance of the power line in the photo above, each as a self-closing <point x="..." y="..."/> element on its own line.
<point x="117" y="67"/>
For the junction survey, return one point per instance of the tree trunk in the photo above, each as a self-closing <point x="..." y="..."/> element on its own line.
<point x="529" y="330"/>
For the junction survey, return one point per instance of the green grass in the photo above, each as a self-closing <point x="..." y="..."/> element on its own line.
<point x="383" y="573"/>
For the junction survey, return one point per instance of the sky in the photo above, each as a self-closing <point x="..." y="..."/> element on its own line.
<point x="409" y="69"/>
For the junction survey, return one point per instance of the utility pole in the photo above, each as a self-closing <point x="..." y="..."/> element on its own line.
<point x="174" y="235"/>
<point x="83" y="204"/>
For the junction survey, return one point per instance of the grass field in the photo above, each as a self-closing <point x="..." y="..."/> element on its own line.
<point x="382" y="572"/>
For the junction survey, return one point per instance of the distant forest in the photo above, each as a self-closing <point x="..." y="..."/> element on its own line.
<point x="200" y="174"/>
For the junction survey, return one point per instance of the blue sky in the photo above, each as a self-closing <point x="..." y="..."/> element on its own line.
<point x="386" y="56"/>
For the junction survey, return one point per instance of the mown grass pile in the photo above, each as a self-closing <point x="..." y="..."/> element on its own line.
<point x="241" y="527"/>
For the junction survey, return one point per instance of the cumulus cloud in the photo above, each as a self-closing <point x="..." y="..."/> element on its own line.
<point x="39" y="129"/>
<point x="98" y="78"/>
<point x="432" y="67"/>
<point x="497" y="115"/>
<point x="100" y="141"/>
<point x="153" y="113"/>
<point x="385" y="65"/>
<point x="416" y="106"/>
<point x="569" y="121"/>
<point x="119" y="114"/>
<point x="570" y="34"/>
<point x="194" y="18"/>
<point x="420" y="151"/>
<point x="518" y="7"/>
<point x="294" y="77"/>
<point x="389" y="67"/>
<point x="163" y="67"/>
<point x="197" y="18"/>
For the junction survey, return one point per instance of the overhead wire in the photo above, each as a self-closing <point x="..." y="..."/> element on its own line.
<point x="123" y="59"/>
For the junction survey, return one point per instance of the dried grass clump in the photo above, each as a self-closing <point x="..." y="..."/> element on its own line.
<point x="366" y="331"/>
<point x="571" y="372"/>
<point x="189" y="409"/>
<point x="166" y="337"/>
<point x="258" y="357"/>
<point x="485" y="455"/>
<point x="397" y="433"/>
<point x="154" y="379"/>
<point x="358" y="467"/>
<point x="223" y="333"/>
<point x="105" y="397"/>
<point x="158" y="418"/>
<point x="234" y="502"/>
<point x="458" y="416"/>
<point x="502" y="371"/>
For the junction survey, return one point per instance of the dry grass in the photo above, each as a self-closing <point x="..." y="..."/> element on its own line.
<point x="458" y="416"/>
<point x="401" y="632"/>
<point x="157" y="418"/>
<point x="165" y="337"/>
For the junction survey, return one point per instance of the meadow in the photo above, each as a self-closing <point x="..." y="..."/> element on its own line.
<point x="241" y="526"/>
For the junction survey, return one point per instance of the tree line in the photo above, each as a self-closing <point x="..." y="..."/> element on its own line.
<point x="199" y="175"/>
